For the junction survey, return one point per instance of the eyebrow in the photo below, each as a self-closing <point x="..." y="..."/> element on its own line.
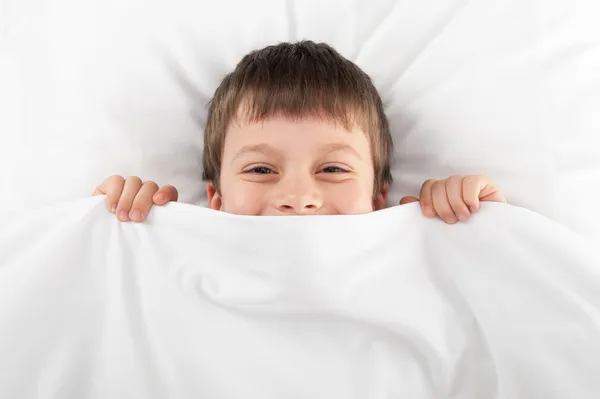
<point x="267" y="149"/>
<point x="335" y="147"/>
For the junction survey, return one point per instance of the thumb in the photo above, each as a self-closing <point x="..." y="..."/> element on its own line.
<point x="492" y="193"/>
<point x="408" y="200"/>
<point x="165" y="194"/>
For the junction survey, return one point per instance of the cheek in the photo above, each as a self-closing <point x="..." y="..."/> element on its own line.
<point x="243" y="198"/>
<point x="353" y="197"/>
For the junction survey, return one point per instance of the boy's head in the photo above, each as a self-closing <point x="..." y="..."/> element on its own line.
<point x="297" y="129"/>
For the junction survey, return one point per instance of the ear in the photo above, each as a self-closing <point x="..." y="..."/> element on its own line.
<point x="380" y="199"/>
<point x="215" y="200"/>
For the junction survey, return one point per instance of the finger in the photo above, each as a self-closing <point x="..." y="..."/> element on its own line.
<point x="408" y="200"/>
<point x="130" y="190"/>
<point x="441" y="204"/>
<point x="471" y="189"/>
<point x="490" y="192"/>
<point x="426" y="198"/>
<point x="480" y="188"/>
<point x="112" y="188"/>
<point x="165" y="194"/>
<point x="143" y="201"/>
<point x="454" y="189"/>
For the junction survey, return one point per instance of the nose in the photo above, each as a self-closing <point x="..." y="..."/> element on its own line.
<point x="298" y="198"/>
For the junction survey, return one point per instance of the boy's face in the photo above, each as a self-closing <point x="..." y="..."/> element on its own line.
<point x="286" y="167"/>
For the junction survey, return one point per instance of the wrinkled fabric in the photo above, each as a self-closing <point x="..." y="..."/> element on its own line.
<point x="197" y="303"/>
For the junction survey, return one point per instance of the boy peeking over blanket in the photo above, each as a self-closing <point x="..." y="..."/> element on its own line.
<point x="297" y="129"/>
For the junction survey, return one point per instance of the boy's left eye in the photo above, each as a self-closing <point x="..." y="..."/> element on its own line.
<point x="332" y="169"/>
<point x="261" y="170"/>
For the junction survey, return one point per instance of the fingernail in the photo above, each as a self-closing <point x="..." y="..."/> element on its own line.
<point x="428" y="211"/>
<point x="463" y="217"/>
<point x="472" y="209"/>
<point x="113" y="208"/>
<point x="123" y="215"/>
<point x="136" y="215"/>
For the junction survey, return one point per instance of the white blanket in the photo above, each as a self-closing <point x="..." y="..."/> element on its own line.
<point x="201" y="304"/>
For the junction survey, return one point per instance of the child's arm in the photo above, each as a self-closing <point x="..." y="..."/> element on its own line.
<point x="456" y="198"/>
<point x="131" y="199"/>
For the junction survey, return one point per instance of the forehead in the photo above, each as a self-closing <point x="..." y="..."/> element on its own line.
<point x="294" y="133"/>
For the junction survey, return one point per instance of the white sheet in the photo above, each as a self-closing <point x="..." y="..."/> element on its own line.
<point x="386" y="305"/>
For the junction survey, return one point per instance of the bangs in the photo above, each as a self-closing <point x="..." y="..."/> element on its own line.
<point x="260" y="104"/>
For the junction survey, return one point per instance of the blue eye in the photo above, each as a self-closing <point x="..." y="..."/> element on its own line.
<point x="261" y="170"/>
<point x="333" y="169"/>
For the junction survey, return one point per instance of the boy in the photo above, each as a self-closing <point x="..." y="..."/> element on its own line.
<point x="296" y="129"/>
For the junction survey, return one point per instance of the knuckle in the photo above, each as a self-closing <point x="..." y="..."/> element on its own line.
<point x="134" y="180"/>
<point x="115" y="180"/>
<point x="129" y="193"/>
<point x="454" y="179"/>
<point x="151" y="185"/>
<point x="128" y="196"/>
<point x="439" y="183"/>
<point x="472" y="179"/>
<point x="439" y="187"/>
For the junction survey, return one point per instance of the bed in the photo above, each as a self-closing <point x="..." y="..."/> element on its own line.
<point x="394" y="305"/>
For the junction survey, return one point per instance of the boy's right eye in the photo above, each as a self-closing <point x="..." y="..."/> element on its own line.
<point x="260" y="170"/>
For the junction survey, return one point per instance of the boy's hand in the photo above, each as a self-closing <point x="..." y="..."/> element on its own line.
<point x="456" y="197"/>
<point x="130" y="199"/>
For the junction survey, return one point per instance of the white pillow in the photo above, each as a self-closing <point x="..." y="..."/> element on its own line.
<point x="499" y="87"/>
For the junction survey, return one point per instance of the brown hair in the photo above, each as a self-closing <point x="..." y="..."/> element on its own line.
<point x="298" y="80"/>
